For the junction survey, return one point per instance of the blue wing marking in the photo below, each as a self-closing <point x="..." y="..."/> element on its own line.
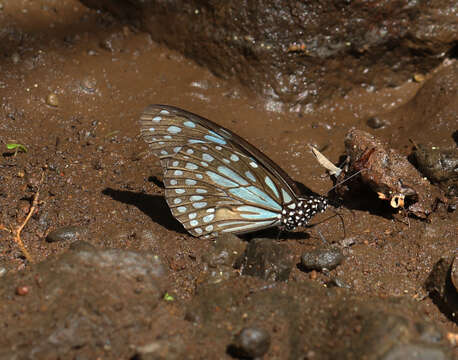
<point x="221" y="180"/>
<point x="231" y="174"/>
<point x="255" y="195"/>
<point x="256" y="213"/>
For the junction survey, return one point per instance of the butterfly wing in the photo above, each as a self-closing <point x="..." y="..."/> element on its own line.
<point x="214" y="181"/>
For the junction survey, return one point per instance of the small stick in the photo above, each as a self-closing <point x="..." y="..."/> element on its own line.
<point x="17" y="232"/>
<point x="2" y="227"/>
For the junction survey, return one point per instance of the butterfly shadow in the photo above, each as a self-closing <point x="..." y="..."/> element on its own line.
<point x="154" y="206"/>
<point x="276" y="234"/>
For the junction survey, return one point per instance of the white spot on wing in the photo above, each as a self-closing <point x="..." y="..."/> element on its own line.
<point x="208" y="218"/>
<point x="191" y="166"/>
<point x="199" y="205"/>
<point x="234" y="157"/>
<point x="207" y="157"/>
<point x="174" y="129"/>
<point x="189" y="124"/>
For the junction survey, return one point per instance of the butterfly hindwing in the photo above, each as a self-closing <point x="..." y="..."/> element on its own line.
<point x="212" y="188"/>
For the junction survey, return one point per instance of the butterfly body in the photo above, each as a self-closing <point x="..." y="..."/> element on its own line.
<point x="216" y="182"/>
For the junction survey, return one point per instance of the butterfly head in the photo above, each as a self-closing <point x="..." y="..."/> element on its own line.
<point x="299" y="213"/>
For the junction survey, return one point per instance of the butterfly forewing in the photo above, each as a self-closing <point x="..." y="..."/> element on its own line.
<point x="167" y="128"/>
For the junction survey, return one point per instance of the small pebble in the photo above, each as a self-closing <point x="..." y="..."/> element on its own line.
<point x="3" y="271"/>
<point x="15" y="57"/>
<point x="52" y="100"/>
<point x="419" y="78"/>
<point x="66" y="233"/>
<point x="89" y="84"/>
<point x="22" y="290"/>
<point x="322" y="259"/>
<point x="251" y="342"/>
<point x="375" y="122"/>
<point x="347" y="242"/>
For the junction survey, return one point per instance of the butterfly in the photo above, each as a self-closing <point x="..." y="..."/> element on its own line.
<point x="216" y="182"/>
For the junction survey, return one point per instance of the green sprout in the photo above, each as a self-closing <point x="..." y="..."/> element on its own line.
<point x="16" y="147"/>
<point x="168" y="297"/>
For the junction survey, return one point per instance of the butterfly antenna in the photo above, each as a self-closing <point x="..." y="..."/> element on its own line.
<point x="346" y="179"/>
<point x="343" y="222"/>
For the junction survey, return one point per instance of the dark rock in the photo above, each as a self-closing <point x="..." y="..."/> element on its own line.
<point x="441" y="288"/>
<point x="67" y="233"/>
<point x="300" y="52"/>
<point x="267" y="260"/>
<point x="251" y="342"/>
<point x="84" y="298"/>
<point x="226" y="250"/>
<point x="376" y="122"/>
<point x="220" y="260"/>
<point x="454" y="272"/>
<point x="321" y="259"/>
<point x="440" y="166"/>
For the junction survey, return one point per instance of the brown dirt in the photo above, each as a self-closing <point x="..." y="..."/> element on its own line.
<point x="98" y="175"/>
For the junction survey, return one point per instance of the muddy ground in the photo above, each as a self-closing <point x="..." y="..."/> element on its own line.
<point x="123" y="279"/>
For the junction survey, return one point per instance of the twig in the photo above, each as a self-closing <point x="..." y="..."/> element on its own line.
<point x="17" y="232"/>
<point x="2" y="227"/>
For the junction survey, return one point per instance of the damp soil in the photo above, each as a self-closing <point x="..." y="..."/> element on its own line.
<point x="73" y="84"/>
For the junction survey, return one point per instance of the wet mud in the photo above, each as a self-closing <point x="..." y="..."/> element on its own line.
<point x="109" y="272"/>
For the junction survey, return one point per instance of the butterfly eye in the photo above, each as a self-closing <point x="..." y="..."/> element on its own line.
<point x="216" y="182"/>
